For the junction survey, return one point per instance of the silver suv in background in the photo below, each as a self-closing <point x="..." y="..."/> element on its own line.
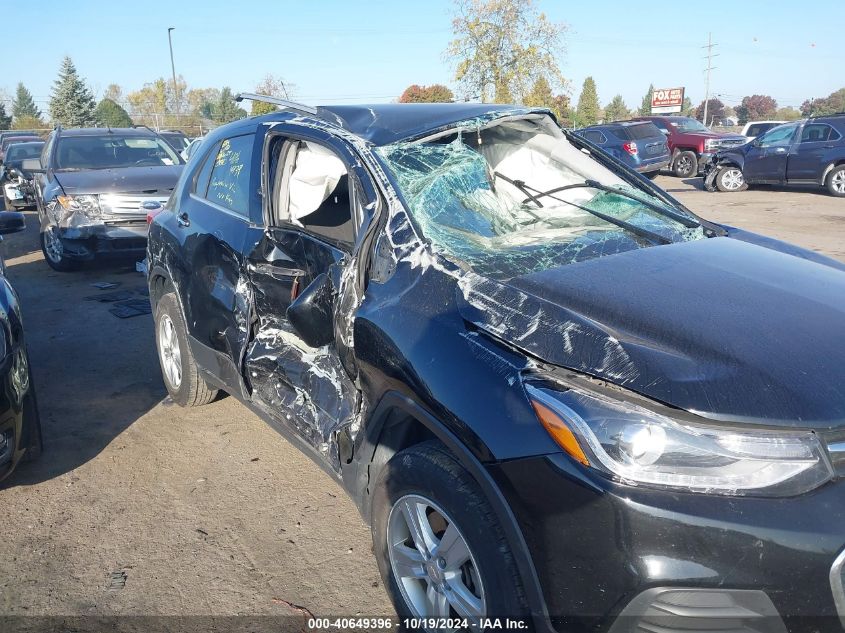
<point x="94" y="188"/>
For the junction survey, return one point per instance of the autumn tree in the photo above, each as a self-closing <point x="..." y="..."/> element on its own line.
<point x="616" y="110"/>
<point x="271" y="86"/>
<point x="435" y="93"/>
<point x="71" y="104"/>
<point x="756" y="108"/>
<point x="715" y="110"/>
<point x="113" y="92"/>
<point x="834" y="102"/>
<point x="588" y="111"/>
<point x="787" y="114"/>
<point x="645" y="106"/>
<point x="502" y="47"/>
<point x="24" y="105"/>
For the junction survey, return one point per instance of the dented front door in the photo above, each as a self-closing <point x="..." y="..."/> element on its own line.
<point x="304" y="388"/>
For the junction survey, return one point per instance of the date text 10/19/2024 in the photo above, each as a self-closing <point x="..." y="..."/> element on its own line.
<point x="418" y="624"/>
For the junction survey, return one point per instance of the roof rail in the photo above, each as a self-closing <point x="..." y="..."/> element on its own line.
<point x="145" y="126"/>
<point x="283" y="103"/>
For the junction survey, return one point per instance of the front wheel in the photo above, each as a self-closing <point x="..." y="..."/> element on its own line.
<point x="730" y="179"/>
<point x="685" y="165"/>
<point x="54" y="252"/>
<point x="438" y="543"/>
<point x="836" y="181"/>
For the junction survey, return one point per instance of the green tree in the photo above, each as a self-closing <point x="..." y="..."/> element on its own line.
<point x="5" y="119"/>
<point x="24" y="105"/>
<point x="502" y="47"/>
<point x="687" y="109"/>
<point x="588" y="111"/>
<point x="541" y="96"/>
<point x="226" y="109"/>
<point x="645" y="106"/>
<point x="787" y="114"/>
<point x="435" y="93"/>
<point x="616" y="110"/>
<point x="71" y="104"/>
<point x="112" y="114"/>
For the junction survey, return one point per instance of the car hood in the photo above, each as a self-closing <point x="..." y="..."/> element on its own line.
<point x="128" y="179"/>
<point x="721" y="327"/>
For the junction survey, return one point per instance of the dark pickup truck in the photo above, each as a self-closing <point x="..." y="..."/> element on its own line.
<point x="691" y="143"/>
<point x="808" y="152"/>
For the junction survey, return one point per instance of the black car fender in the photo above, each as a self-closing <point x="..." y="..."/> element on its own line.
<point x="376" y="450"/>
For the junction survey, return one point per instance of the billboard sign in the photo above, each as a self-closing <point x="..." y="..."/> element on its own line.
<point x="666" y="100"/>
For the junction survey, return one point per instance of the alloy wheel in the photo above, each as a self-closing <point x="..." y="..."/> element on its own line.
<point x="169" y="352"/>
<point x="838" y="181"/>
<point x="432" y="562"/>
<point x="685" y="165"/>
<point x="732" y="179"/>
<point x="53" y="245"/>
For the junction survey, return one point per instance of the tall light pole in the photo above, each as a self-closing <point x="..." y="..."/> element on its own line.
<point x="173" y="68"/>
<point x="709" y="57"/>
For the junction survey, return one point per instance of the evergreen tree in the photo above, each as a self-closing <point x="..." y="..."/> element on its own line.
<point x="72" y="104"/>
<point x="226" y="109"/>
<point x="645" y="106"/>
<point x="588" y="110"/>
<point x="616" y="110"/>
<point x="5" y="119"/>
<point x="112" y="114"/>
<point x="24" y="105"/>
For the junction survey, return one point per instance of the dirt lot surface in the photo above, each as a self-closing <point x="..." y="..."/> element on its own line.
<point x="207" y="511"/>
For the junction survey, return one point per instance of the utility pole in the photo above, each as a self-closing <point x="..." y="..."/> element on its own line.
<point x="709" y="57"/>
<point x="173" y="68"/>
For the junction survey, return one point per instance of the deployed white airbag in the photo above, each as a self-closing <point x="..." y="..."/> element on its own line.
<point x="317" y="172"/>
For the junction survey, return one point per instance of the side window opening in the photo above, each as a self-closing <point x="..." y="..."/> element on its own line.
<point x="204" y="174"/>
<point x="311" y="189"/>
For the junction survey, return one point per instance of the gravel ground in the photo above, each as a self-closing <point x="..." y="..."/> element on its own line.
<point x="139" y="507"/>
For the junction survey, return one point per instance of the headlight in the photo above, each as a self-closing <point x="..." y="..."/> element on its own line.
<point x="87" y="205"/>
<point x="711" y="143"/>
<point x="637" y="446"/>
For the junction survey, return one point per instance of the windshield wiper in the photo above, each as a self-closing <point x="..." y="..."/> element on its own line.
<point x="535" y="197"/>
<point x="594" y="184"/>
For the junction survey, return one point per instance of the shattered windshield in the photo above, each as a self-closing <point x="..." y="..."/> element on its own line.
<point x="516" y="197"/>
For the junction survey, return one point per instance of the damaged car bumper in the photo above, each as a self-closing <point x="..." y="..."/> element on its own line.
<point x="622" y="558"/>
<point x="104" y="240"/>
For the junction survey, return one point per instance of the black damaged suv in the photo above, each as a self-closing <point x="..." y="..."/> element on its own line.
<point x="553" y="391"/>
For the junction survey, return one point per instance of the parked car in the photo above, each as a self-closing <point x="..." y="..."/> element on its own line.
<point x="522" y="361"/>
<point x="18" y="189"/>
<point x="20" y="138"/>
<point x="178" y="140"/>
<point x="20" y="424"/>
<point x="690" y="142"/>
<point x="638" y="144"/>
<point x="93" y="189"/>
<point x="753" y="129"/>
<point x="7" y="133"/>
<point x="192" y="147"/>
<point x="811" y="151"/>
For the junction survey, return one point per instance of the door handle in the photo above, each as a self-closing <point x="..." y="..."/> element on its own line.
<point x="182" y="219"/>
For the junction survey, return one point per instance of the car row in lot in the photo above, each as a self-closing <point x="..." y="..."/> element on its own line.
<point x="553" y="391"/>
<point x="808" y="152"/>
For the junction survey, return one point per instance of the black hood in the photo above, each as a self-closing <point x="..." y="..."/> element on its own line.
<point x="125" y="180"/>
<point x="721" y="327"/>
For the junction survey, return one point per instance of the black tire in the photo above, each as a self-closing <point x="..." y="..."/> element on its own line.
<point x="685" y="164"/>
<point x="430" y="471"/>
<point x="56" y="260"/>
<point x="730" y="179"/>
<point x="192" y="390"/>
<point x="835" y="181"/>
<point x="651" y="175"/>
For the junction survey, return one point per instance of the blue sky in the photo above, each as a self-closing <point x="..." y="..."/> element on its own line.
<point x="350" y="51"/>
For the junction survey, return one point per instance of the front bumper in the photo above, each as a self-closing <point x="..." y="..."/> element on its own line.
<point x="599" y="546"/>
<point x="105" y="240"/>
